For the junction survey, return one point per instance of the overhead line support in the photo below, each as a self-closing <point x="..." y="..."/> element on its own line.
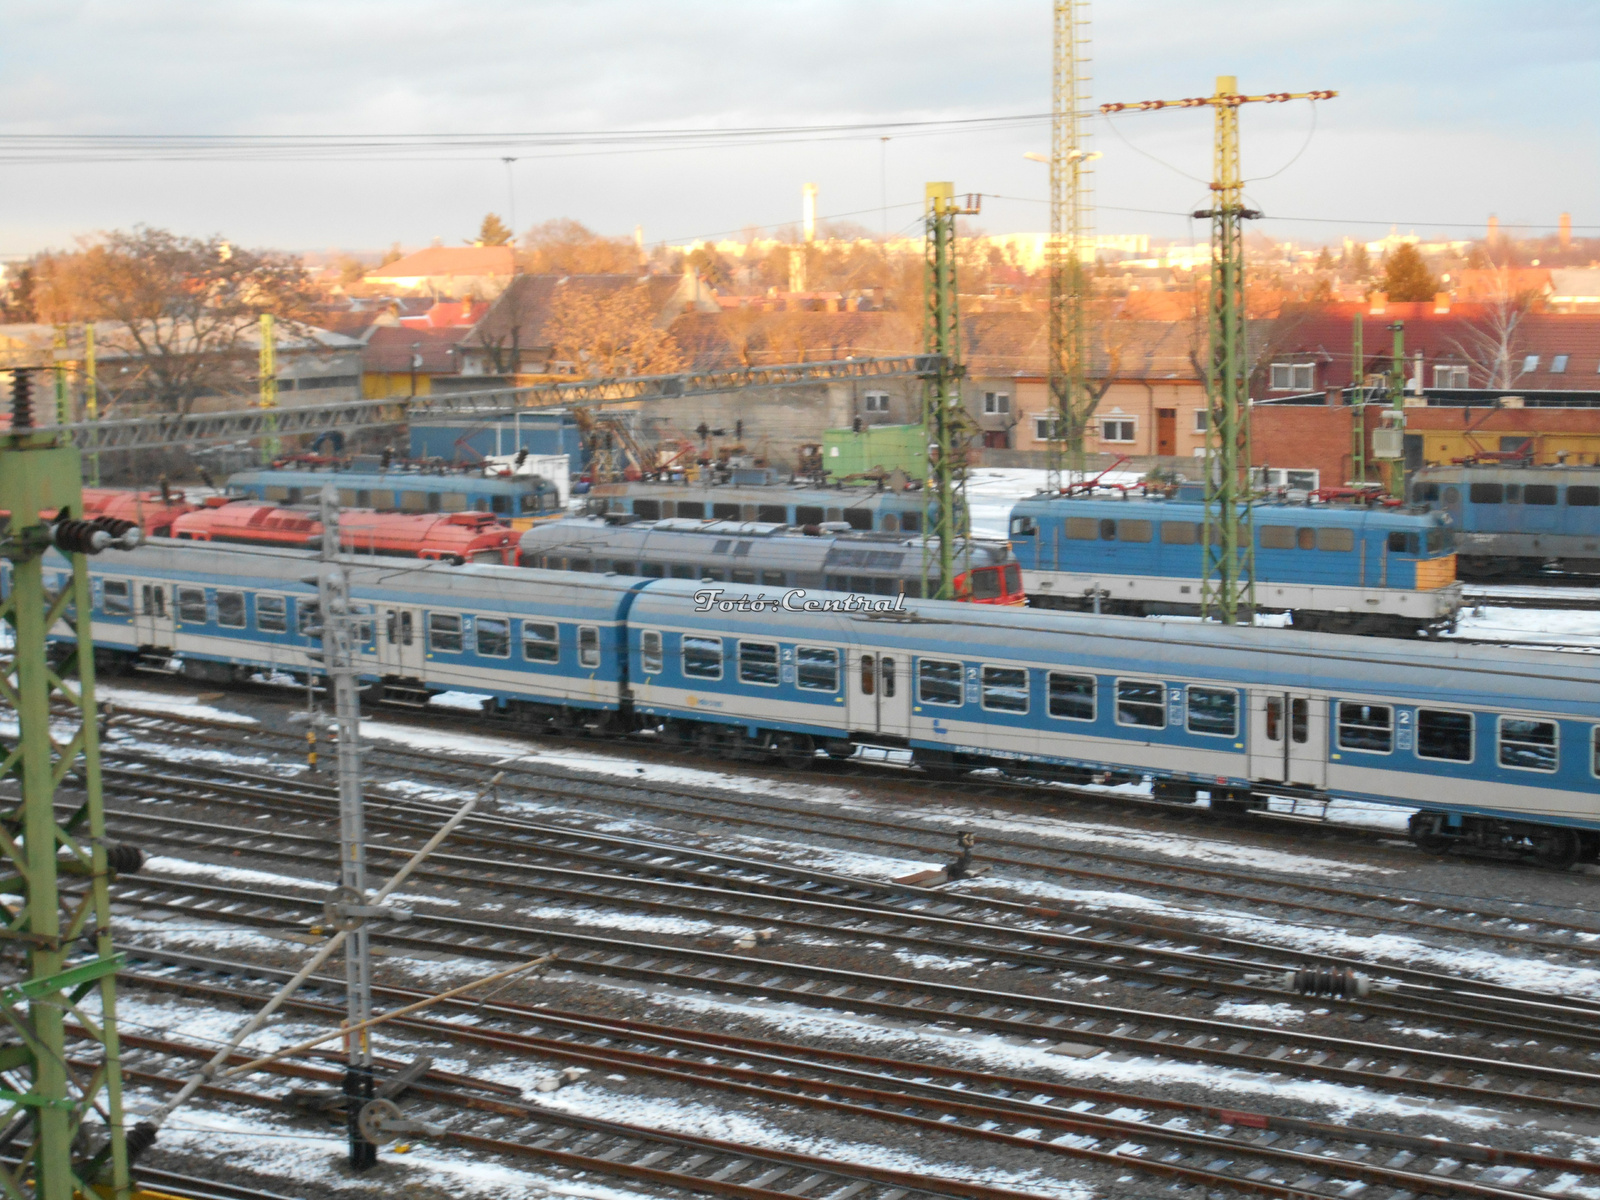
<point x="944" y="416"/>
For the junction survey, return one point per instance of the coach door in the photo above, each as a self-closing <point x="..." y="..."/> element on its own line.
<point x="400" y="641"/>
<point x="880" y="693"/>
<point x="1289" y="738"/>
<point x="153" y="614"/>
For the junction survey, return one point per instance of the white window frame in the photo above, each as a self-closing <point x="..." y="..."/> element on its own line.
<point x="1338" y="726"/>
<point x="1202" y="420"/>
<point x="997" y="404"/>
<point x="683" y="657"/>
<point x="460" y="632"/>
<point x="1188" y="710"/>
<point x="983" y="689"/>
<point x="127" y="598"/>
<point x="806" y="687"/>
<point x="1558" y="363"/>
<point x="652" y="658"/>
<point x="1500" y="741"/>
<point x="1452" y="376"/>
<point x="1094" y="697"/>
<point x="961" y="676"/>
<point x="1472" y="735"/>
<point x="1047" y="429"/>
<point x="554" y="643"/>
<point x="244" y="608"/>
<point x="178" y="606"/>
<point x="477" y="636"/>
<point x="875" y="402"/>
<point x="1132" y="424"/>
<point x="1530" y="363"/>
<point x="777" y="663"/>
<point x="589" y="656"/>
<point x="1116" y="703"/>
<point x="281" y="617"/>
<point x="1292" y="377"/>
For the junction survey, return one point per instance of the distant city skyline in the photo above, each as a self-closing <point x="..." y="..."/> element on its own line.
<point x="1447" y="112"/>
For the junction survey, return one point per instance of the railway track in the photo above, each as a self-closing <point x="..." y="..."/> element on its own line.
<point x="1508" y="924"/>
<point x="536" y="861"/>
<point x="1196" y="1145"/>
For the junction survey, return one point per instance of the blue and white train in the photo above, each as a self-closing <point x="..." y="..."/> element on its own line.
<point x="1334" y="568"/>
<point x="1498" y="748"/>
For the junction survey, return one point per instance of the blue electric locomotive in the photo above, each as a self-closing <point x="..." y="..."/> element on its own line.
<point x="518" y="499"/>
<point x="1334" y="568"/>
<point x="1499" y="749"/>
<point x="1517" y="520"/>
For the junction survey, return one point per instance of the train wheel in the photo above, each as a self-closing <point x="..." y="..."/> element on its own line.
<point x="708" y="740"/>
<point x="1556" y="847"/>
<point x="795" y="751"/>
<point x="840" y="750"/>
<point x="1423" y="829"/>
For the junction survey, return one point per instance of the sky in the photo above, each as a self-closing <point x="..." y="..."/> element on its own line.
<point x="1448" y="110"/>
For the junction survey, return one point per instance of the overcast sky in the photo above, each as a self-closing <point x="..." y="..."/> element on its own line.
<point x="1448" y="110"/>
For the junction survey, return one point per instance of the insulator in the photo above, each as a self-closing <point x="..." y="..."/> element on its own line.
<point x="1338" y="982"/>
<point x="140" y="1138"/>
<point x="125" y="534"/>
<point x="123" y="859"/>
<point x="79" y="537"/>
<point x="21" y="399"/>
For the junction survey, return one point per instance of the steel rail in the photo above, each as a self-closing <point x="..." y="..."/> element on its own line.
<point x="861" y="1094"/>
<point x="702" y="894"/>
<point x="1208" y="1039"/>
<point x="695" y="1154"/>
<point x="1390" y="903"/>
<point x="1443" y="995"/>
<point x="969" y="1084"/>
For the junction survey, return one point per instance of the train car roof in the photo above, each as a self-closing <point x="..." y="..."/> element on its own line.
<point x="1504" y="473"/>
<point x="690" y="536"/>
<point x="1442" y="672"/>
<point x="776" y="493"/>
<point x="399" y="479"/>
<point x="1157" y="507"/>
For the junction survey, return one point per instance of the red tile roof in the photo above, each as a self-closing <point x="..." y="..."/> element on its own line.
<point x="448" y="261"/>
<point x="390" y="349"/>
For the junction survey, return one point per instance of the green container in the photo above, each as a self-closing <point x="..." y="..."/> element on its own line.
<point x="876" y="448"/>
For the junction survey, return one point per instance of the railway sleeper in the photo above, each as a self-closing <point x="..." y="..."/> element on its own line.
<point x="1491" y="837"/>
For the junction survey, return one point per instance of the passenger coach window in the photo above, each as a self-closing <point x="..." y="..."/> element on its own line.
<point x="650" y="650"/>
<point x="230" y="610"/>
<point x="702" y="657"/>
<point x="647" y="510"/>
<point x="1583" y="497"/>
<point x="805" y="514"/>
<point x="1005" y="689"/>
<point x="652" y="570"/>
<point x="772" y="578"/>
<point x="758" y="663"/>
<point x="869" y="674"/>
<point x="1180" y="533"/>
<point x="939" y="682"/>
<point x="588" y="646"/>
<point x="1404" y="543"/>
<point x="117" y="600"/>
<point x="1277" y="537"/>
<point x="1486" y="493"/>
<point x="817" y="669"/>
<point x="444" y="633"/>
<point x="1368" y="727"/>
<point x="1083" y="529"/>
<point x="1527" y="745"/>
<point x="494" y="637"/>
<point x="271" y="614"/>
<point x="1140" y="703"/>
<point x="192" y="606"/>
<point x="1594" y="760"/>
<point x="1446" y="735"/>
<point x="1072" y="696"/>
<point x="772" y="514"/>
<point x="1024" y="527"/>
<point x="1539" y="493"/>
<point x="1336" y="539"/>
<point x="1134" y="531"/>
<point x="308" y="618"/>
<point x="1214" y="711"/>
<point x="540" y="643"/>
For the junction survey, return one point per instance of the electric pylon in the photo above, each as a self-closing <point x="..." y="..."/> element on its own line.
<point x="1227" y="582"/>
<point x="1070" y="237"/>
<point x="267" y="373"/>
<point x="944" y="417"/>
<point x="57" y="940"/>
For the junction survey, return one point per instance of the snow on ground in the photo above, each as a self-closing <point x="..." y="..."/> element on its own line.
<point x="167" y="702"/>
<point x="1275" y="1014"/>
<point x="162" y="864"/>
<point x="1531" y="974"/>
<point x="991" y="492"/>
<point x="1574" y="629"/>
<point x="593" y="1099"/>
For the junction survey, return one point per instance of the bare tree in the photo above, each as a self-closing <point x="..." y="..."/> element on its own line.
<point x="1492" y="342"/>
<point x="184" y="311"/>
<point x="607" y="334"/>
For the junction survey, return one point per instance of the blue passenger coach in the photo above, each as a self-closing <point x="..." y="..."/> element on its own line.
<point x="1334" y="568"/>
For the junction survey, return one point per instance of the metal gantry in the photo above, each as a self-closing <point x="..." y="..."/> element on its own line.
<point x="340" y="642"/>
<point x="206" y="428"/>
<point x="1227" y="584"/>
<point x="57" y="947"/>
<point x="1070" y="238"/>
<point x="267" y="380"/>
<point x="944" y="416"/>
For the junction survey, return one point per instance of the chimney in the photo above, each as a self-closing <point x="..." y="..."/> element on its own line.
<point x="1493" y="235"/>
<point x="1380" y="304"/>
<point x="638" y="243"/>
<point x="1333" y="397"/>
<point x="808" y="210"/>
<point x="1564" y="231"/>
<point x="1441" y="302"/>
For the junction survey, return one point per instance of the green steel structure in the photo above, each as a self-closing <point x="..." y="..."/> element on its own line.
<point x="267" y="373"/>
<point x="943" y="415"/>
<point x="1227" y="585"/>
<point x="64" y="1120"/>
<point x="1070" y="285"/>
<point x="1395" y="419"/>
<point x="1358" y="398"/>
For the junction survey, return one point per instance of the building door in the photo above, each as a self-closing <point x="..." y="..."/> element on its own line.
<point x="1167" y="431"/>
<point x="997" y="439"/>
<point x="1289" y="738"/>
<point x="400" y="647"/>
<point x="153" y="616"/>
<point x="880" y="693"/>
